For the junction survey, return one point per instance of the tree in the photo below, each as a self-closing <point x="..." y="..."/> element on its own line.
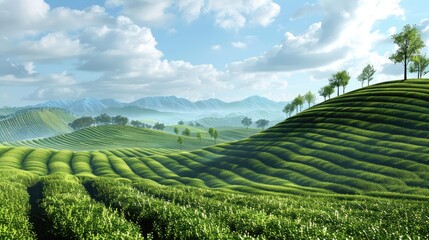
<point x="186" y="132"/>
<point x="215" y="135"/>
<point x="340" y="79"/>
<point x="159" y="126"/>
<point x="310" y="98"/>
<point x="181" y="122"/>
<point x="326" y="91"/>
<point x="136" y="123"/>
<point x="298" y="102"/>
<point x="409" y="43"/>
<point x="288" y="109"/>
<point x="419" y="65"/>
<point x="120" y="120"/>
<point x="367" y="74"/>
<point x="82" y="122"/>
<point x="211" y="132"/>
<point x="246" y="122"/>
<point x="199" y="136"/>
<point x="180" y="141"/>
<point x="103" y="119"/>
<point x="262" y="123"/>
<point x="176" y="131"/>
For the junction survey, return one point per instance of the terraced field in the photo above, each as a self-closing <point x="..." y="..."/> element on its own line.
<point x="114" y="137"/>
<point x="34" y="123"/>
<point x="356" y="167"/>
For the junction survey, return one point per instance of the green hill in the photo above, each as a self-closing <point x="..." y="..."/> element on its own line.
<point x="115" y="137"/>
<point x="353" y="167"/>
<point x="34" y="123"/>
<point x="372" y="141"/>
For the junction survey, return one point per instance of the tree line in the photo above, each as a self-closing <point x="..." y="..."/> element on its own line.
<point x="105" y="119"/>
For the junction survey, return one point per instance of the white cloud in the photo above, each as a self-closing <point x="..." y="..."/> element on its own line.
<point x="345" y="34"/>
<point x="29" y="17"/>
<point x="153" y="13"/>
<point x="52" y="46"/>
<point x="216" y="47"/>
<point x="239" y="44"/>
<point x="227" y="14"/>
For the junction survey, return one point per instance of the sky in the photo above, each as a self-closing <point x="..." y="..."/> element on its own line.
<point x="196" y="49"/>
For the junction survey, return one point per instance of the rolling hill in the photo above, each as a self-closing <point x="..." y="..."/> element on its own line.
<point x="373" y="141"/>
<point x="115" y="137"/>
<point x="34" y="123"/>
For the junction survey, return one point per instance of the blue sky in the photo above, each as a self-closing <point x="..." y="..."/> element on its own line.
<point x="197" y="49"/>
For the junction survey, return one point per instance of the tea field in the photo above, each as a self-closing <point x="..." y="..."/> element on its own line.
<point x="353" y="167"/>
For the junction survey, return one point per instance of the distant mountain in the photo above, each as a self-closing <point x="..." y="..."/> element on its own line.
<point x="55" y="104"/>
<point x="165" y="104"/>
<point x="87" y="106"/>
<point x="171" y="109"/>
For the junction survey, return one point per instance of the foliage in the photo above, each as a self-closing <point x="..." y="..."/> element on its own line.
<point x="262" y="123"/>
<point x="326" y="91"/>
<point x="419" y="65"/>
<point x="298" y="102"/>
<point x="82" y="122"/>
<point x="176" y="130"/>
<point x="186" y="132"/>
<point x="340" y="79"/>
<point x="310" y="98"/>
<point x="367" y="74"/>
<point x="288" y="109"/>
<point x="180" y="141"/>
<point x="199" y="136"/>
<point x="215" y="135"/>
<point x="409" y="43"/>
<point x="181" y="122"/>
<point x="137" y="123"/>
<point x="103" y="119"/>
<point x="120" y="120"/>
<point x="246" y="122"/>
<point x="159" y="126"/>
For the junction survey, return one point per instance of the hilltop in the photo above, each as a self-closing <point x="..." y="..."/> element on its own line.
<point x="35" y="123"/>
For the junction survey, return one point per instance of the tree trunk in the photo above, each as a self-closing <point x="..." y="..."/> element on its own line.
<point x="338" y="91"/>
<point x="405" y="67"/>
<point x="344" y="89"/>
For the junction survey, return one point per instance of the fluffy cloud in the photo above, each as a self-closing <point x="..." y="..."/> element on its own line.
<point x="227" y="14"/>
<point x="345" y="33"/>
<point x="23" y="17"/>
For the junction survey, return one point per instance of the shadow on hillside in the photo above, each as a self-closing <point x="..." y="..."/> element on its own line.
<point x="40" y="226"/>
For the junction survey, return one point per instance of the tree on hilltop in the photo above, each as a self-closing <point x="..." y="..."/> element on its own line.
<point x="82" y="122"/>
<point x="136" y="123"/>
<point x="409" y="43"/>
<point x="288" y="109"/>
<point x="159" y="126"/>
<point x="103" y="119"/>
<point x="367" y="74"/>
<point x="246" y="122"/>
<point x="419" y="64"/>
<point x="298" y="102"/>
<point x="120" y="120"/>
<point x="176" y="130"/>
<point x="180" y="141"/>
<point x="326" y="91"/>
<point x="340" y="79"/>
<point x="310" y="98"/>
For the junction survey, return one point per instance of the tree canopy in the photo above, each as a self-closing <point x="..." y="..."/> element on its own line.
<point x="246" y="122"/>
<point x="409" y="43"/>
<point x="310" y="98"/>
<point x="367" y="74"/>
<point x="262" y="123"/>
<point x="419" y="64"/>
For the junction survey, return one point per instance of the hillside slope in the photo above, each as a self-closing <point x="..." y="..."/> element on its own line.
<point x="34" y="123"/>
<point x="373" y="141"/>
<point x="114" y="137"/>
